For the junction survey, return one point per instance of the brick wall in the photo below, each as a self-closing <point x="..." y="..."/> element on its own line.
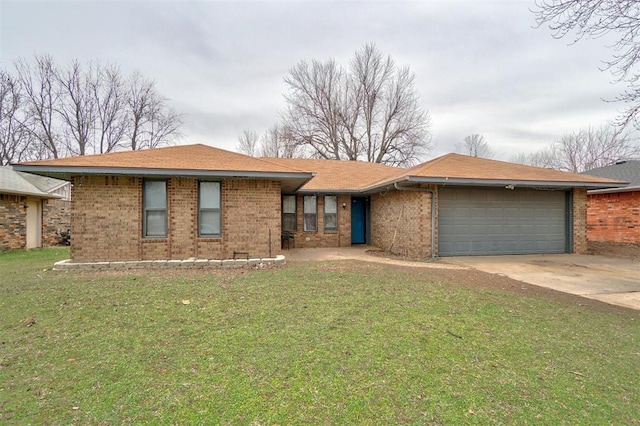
<point x="183" y="217"/>
<point x="401" y="222"/>
<point x="250" y="209"/>
<point x="56" y="217"/>
<point x="614" y="217"/>
<point x="106" y="222"/>
<point x="13" y="222"/>
<point x="106" y="218"/>
<point x="580" y="220"/>
<point x="322" y="238"/>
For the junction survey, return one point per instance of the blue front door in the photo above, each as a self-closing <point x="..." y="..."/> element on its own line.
<point x="358" y="220"/>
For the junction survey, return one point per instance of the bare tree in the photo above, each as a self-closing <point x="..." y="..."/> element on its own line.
<point x="248" y="143"/>
<point x="593" y="19"/>
<point x="77" y="107"/>
<point x="41" y="99"/>
<point x="85" y="109"/>
<point x="151" y="122"/>
<point x="587" y="149"/>
<point x="520" y="158"/>
<point x="13" y="136"/>
<point x="370" y="111"/>
<point x="313" y="107"/>
<point x="278" y="142"/>
<point x="108" y="91"/>
<point x="476" y="146"/>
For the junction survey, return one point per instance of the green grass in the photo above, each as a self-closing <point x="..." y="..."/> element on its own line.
<point x="319" y="343"/>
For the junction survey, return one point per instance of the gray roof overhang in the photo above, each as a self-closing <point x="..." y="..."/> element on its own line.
<point x="615" y="190"/>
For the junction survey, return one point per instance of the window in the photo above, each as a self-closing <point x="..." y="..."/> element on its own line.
<point x="209" y="223"/>
<point x="330" y="212"/>
<point x="288" y="213"/>
<point x="310" y="213"/>
<point x="154" y="202"/>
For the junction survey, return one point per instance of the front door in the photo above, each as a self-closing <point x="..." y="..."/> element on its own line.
<point x="358" y="220"/>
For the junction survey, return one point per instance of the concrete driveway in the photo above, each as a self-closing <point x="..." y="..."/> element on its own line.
<point x="611" y="280"/>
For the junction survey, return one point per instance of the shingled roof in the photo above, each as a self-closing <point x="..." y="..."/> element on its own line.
<point x="184" y="160"/>
<point x="338" y="176"/>
<point x="16" y="183"/>
<point x="311" y="175"/>
<point x="628" y="171"/>
<point x="196" y="157"/>
<point x="457" y="169"/>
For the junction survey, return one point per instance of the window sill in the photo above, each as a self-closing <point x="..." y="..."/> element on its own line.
<point x="208" y="238"/>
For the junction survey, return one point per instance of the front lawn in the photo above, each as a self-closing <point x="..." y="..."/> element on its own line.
<point x="319" y="343"/>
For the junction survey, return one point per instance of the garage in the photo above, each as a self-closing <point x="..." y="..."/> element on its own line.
<point x="497" y="221"/>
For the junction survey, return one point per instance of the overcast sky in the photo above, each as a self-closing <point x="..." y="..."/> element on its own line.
<point x="480" y="66"/>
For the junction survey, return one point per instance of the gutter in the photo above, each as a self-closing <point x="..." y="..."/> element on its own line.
<point x="42" y="195"/>
<point x="134" y="171"/>
<point x="615" y="190"/>
<point x="493" y="182"/>
<point x="515" y="182"/>
<point x="433" y="215"/>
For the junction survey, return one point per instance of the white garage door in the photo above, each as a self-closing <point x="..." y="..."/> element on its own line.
<point x="488" y="221"/>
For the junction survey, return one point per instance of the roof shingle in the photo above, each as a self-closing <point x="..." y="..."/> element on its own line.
<point x="338" y="175"/>
<point x="466" y="169"/>
<point x="628" y="171"/>
<point x="182" y="157"/>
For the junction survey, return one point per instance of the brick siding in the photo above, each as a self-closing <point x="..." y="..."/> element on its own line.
<point x="614" y="218"/>
<point x="56" y="218"/>
<point x="401" y="222"/>
<point x="106" y="218"/>
<point x="322" y="238"/>
<point x="579" y="220"/>
<point x="106" y="223"/>
<point x="13" y="226"/>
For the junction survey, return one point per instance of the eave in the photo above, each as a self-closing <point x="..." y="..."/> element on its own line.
<point x="615" y="190"/>
<point x="42" y="195"/>
<point x="516" y="183"/>
<point x="291" y="181"/>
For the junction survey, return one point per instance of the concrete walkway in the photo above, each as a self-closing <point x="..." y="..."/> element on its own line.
<point x="359" y="252"/>
<point x="611" y="280"/>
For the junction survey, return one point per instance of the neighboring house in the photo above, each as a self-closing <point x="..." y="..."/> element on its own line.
<point x="203" y="202"/>
<point x="34" y="210"/>
<point x="613" y="215"/>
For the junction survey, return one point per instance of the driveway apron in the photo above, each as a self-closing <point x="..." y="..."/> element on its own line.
<point x="611" y="280"/>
